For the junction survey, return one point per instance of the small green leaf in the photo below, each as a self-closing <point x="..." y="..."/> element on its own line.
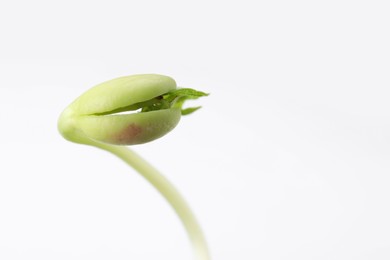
<point x="185" y="92"/>
<point x="177" y="97"/>
<point x="189" y="110"/>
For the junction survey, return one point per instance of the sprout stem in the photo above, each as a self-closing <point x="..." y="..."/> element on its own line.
<point x="169" y="192"/>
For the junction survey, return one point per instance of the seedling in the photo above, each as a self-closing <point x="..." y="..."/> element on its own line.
<point x="134" y="110"/>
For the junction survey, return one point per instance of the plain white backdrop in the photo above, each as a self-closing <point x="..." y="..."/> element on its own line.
<point x="287" y="159"/>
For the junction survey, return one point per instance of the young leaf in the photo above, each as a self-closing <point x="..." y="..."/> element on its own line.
<point x="177" y="98"/>
<point x="189" y="110"/>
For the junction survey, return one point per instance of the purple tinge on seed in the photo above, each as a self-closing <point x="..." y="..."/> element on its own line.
<point x="129" y="135"/>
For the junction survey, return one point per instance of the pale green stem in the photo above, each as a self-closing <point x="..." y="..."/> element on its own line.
<point x="169" y="192"/>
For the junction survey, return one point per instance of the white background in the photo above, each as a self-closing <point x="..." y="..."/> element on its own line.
<point x="287" y="159"/>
